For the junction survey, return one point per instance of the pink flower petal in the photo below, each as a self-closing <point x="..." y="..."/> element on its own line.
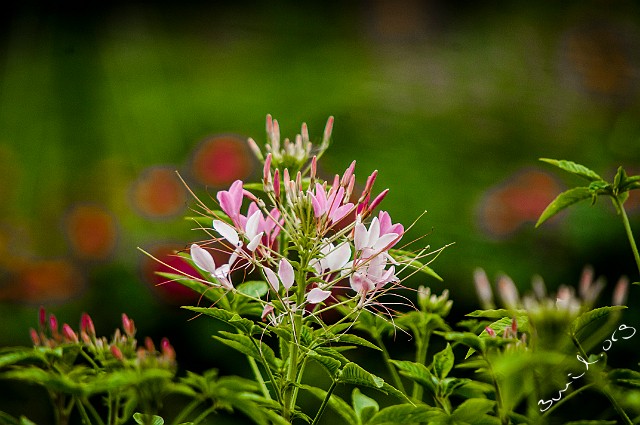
<point x="317" y="295"/>
<point x="272" y="279"/>
<point x="202" y="259"/>
<point x="286" y="273"/>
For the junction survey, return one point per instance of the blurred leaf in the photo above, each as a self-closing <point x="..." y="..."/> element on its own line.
<point x="496" y="313"/>
<point x="417" y="372"/>
<point x="586" y="319"/>
<point x="145" y="419"/>
<point x="402" y="414"/>
<point x="15" y="355"/>
<point x="443" y="362"/>
<point x="573" y="168"/>
<point x="471" y="410"/>
<point x="590" y="422"/>
<point x="365" y="407"/>
<point x="471" y="340"/>
<point x="564" y="200"/>
<point x="625" y="377"/>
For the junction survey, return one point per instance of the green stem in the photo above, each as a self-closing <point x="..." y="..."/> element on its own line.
<point x="499" y="405"/>
<point x="616" y="406"/>
<point x="325" y="402"/>
<point x="421" y="358"/>
<point x="184" y="413"/>
<point x="292" y="373"/>
<point x="204" y="415"/>
<point x="259" y="378"/>
<point x="387" y="359"/>
<point x="627" y="228"/>
<point x="568" y="397"/>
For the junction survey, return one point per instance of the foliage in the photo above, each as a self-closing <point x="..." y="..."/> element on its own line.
<point x="321" y="276"/>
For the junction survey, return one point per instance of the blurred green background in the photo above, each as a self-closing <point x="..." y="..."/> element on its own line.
<point x="452" y="101"/>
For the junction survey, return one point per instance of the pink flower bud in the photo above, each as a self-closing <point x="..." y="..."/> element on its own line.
<point x="266" y="171"/>
<point x="620" y="291"/>
<point x="148" y="343"/>
<point x="34" y="336"/>
<point x="347" y="174"/>
<point x="276" y="183"/>
<point x="314" y="167"/>
<point x="69" y="334"/>
<point x="327" y="131"/>
<point x="167" y="350"/>
<point x="42" y="317"/>
<point x="53" y="323"/>
<point x="86" y="325"/>
<point x="116" y="352"/>
<point x="304" y="132"/>
<point x="490" y="331"/>
<point x="378" y="199"/>
<point x="128" y="325"/>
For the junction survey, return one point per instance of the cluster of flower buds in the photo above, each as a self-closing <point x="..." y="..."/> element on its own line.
<point x="565" y="300"/>
<point x="122" y="346"/>
<point x="431" y="303"/>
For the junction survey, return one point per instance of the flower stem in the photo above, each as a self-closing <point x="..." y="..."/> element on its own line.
<point x="323" y="406"/>
<point x="258" y="375"/>
<point x="421" y="358"/>
<point x="627" y="228"/>
<point x="387" y="359"/>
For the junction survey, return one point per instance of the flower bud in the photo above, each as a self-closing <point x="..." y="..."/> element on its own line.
<point x="128" y="325"/>
<point x="116" y="352"/>
<point x="86" y="325"/>
<point x="34" y="337"/>
<point x="69" y="334"/>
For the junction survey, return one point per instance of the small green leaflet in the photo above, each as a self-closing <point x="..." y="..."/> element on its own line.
<point x="573" y="168"/>
<point x="564" y="200"/>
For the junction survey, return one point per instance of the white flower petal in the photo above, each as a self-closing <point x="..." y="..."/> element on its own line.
<point x="227" y="232"/>
<point x="384" y="241"/>
<point x="255" y="242"/>
<point x="253" y="222"/>
<point x="286" y="273"/>
<point x="339" y="257"/>
<point x="272" y="279"/>
<point x="360" y="236"/>
<point x="317" y="295"/>
<point x="202" y="259"/>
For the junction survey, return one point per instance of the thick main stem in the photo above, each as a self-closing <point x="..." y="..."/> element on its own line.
<point x="387" y="359"/>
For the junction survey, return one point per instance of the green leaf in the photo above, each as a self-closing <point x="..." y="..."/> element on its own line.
<point x="496" y="313"/>
<point x="470" y="410"/>
<point x="589" y="422"/>
<point x="352" y="373"/>
<point x="365" y="407"/>
<point x="417" y="372"/>
<point x="144" y="419"/>
<point x="354" y="339"/>
<point x="336" y="403"/>
<point x="573" y="168"/>
<point x="586" y="319"/>
<point x="49" y="380"/>
<point x="409" y="258"/>
<point x="244" y="325"/>
<point x="625" y="377"/>
<point x="471" y="340"/>
<point x="16" y="355"/>
<point x="564" y="200"/>
<point x="250" y="347"/>
<point x="253" y="288"/>
<point x="443" y="362"/>
<point x="330" y="364"/>
<point x="402" y="414"/>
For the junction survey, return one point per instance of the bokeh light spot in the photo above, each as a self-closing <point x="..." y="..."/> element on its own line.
<point x="220" y="160"/>
<point x="91" y="232"/>
<point x="158" y="193"/>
